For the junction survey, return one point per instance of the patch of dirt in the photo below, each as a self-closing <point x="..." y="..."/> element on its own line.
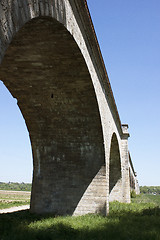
<point x="15" y="192"/>
<point x="14" y="209"/>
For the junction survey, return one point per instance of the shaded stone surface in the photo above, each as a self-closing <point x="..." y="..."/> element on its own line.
<point x="48" y="76"/>
<point x="54" y="68"/>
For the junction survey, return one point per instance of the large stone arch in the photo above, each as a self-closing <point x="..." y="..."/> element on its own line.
<point x="115" y="172"/>
<point x="78" y="110"/>
<point x="48" y="76"/>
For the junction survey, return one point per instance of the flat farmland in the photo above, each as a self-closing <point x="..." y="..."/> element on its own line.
<point x="13" y="198"/>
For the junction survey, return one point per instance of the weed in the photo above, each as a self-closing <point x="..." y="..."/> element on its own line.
<point x="135" y="221"/>
<point x="133" y="194"/>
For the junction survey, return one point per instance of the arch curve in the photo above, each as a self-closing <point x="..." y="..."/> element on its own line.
<point x="49" y="77"/>
<point x="115" y="173"/>
<point x="57" y="74"/>
<point x="14" y="15"/>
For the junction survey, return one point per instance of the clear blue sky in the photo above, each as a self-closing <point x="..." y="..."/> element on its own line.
<point x="129" y="36"/>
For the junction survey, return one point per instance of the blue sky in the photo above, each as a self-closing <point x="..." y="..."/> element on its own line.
<point x="15" y="147"/>
<point x="129" y="36"/>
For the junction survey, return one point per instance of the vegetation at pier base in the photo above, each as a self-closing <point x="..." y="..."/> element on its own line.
<point x="139" y="220"/>
<point x="133" y="194"/>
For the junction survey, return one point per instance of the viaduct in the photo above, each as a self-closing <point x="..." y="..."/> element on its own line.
<point x="50" y="61"/>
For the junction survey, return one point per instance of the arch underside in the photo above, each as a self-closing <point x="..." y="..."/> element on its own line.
<point x="132" y="181"/>
<point x="44" y="69"/>
<point x="115" y="177"/>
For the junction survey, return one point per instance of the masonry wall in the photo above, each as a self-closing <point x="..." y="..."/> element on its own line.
<point x="57" y="99"/>
<point x="57" y="74"/>
<point x="134" y="185"/>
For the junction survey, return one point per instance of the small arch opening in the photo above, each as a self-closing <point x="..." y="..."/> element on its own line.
<point x="132" y="181"/>
<point x="115" y="178"/>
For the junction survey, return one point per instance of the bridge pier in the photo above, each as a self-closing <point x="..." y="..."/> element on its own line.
<point x="125" y="165"/>
<point x="68" y="185"/>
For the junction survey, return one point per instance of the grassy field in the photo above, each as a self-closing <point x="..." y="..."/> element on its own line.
<point x="13" y="198"/>
<point x="139" y="220"/>
<point x="147" y="198"/>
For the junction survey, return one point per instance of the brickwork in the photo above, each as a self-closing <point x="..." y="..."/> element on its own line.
<point x="134" y="185"/>
<point x="51" y="63"/>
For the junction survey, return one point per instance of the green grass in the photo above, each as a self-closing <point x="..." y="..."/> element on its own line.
<point x="12" y="204"/>
<point x="147" y="198"/>
<point x="139" y="220"/>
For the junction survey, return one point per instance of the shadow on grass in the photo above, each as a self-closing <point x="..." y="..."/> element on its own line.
<point x="121" y="226"/>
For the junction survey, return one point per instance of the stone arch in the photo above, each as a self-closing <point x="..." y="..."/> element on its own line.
<point x="115" y="173"/>
<point x="49" y="77"/>
<point x="132" y="180"/>
<point x="15" y="14"/>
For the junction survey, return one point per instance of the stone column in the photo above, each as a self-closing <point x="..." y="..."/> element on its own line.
<point x="125" y="165"/>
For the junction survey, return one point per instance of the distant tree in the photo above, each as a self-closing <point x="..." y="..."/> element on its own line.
<point x="15" y="186"/>
<point x="150" y="189"/>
